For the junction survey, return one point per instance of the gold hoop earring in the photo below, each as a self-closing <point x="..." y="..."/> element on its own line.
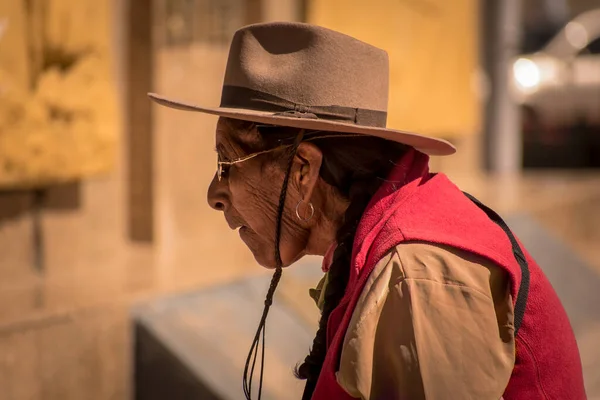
<point x="310" y="207"/>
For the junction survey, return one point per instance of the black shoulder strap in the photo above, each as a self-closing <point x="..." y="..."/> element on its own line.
<point x="519" y="256"/>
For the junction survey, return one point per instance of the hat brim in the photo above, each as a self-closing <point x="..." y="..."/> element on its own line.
<point x="425" y="144"/>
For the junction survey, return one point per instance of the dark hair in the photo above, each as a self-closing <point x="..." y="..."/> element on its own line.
<point x="355" y="167"/>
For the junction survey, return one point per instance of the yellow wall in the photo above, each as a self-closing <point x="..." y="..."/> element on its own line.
<point x="56" y="124"/>
<point x="432" y="46"/>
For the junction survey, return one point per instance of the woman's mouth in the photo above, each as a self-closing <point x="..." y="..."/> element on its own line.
<point x="243" y="233"/>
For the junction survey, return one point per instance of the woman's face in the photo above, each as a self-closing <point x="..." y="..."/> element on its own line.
<point x="248" y="194"/>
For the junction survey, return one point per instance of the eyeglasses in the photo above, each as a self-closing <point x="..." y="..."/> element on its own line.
<point x="222" y="165"/>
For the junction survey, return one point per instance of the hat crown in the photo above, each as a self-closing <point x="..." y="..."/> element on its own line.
<point x="308" y="65"/>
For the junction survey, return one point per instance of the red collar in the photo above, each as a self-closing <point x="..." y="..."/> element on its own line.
<point x="408" y="173"/>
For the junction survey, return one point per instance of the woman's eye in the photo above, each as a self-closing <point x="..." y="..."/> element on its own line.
<point x="224" y="169"/>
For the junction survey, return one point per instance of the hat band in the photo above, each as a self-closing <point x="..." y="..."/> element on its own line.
<point x="241" y="97"/>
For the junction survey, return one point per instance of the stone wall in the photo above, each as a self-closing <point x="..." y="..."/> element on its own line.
<point x="64" y="331"/>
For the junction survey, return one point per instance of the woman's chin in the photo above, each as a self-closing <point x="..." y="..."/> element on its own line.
<point x="269" y="262"/>
<point x="263" y="260"/>
<point x="263" y="253"/>
<point x="266" y="259"/>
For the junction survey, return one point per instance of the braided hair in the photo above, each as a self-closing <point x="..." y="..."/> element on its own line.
<point x="337" y="281"/>
<point x="355" y="168"/>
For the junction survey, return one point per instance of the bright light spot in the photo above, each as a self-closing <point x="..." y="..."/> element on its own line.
<point x="576" y="35"/>
<point x="527" y="73"/>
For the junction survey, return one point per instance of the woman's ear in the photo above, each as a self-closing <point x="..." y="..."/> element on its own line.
<point x="307" y="164"/>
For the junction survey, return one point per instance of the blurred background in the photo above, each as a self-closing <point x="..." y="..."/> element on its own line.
<point x="117" y="281"/>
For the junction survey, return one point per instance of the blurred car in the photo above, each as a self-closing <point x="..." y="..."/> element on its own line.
<point x="558" y="89"/>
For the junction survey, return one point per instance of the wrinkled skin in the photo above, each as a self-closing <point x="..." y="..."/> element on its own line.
<point x="248" y="195"/>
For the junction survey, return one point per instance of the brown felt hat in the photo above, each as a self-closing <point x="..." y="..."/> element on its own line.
<point x="306" y="76"/>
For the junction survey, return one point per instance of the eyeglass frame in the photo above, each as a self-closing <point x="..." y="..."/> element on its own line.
<point x="253" y="155"/>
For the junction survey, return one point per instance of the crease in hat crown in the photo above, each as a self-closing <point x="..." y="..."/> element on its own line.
<point x="310" y="77"/>
<point x="308" y="65"/>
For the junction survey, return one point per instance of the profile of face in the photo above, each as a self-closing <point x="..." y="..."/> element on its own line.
<point x="248" y="193"/>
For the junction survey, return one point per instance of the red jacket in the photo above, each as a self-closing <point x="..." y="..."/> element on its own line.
<point x="415" y="205"/>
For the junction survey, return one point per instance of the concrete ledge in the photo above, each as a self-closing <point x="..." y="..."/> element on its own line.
<point x="209" y="333"/>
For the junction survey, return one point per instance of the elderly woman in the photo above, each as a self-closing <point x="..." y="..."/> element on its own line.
<point x="427" y="294"/>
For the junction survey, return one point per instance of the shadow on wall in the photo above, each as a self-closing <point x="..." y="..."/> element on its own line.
<point x="18" y="203"/>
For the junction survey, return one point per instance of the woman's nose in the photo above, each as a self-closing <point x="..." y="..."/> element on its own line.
<point x="217" y="195"/>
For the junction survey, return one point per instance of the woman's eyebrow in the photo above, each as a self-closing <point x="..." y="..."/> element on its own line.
<point x="219" y="148"/>
<point x="222" y="152"/>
